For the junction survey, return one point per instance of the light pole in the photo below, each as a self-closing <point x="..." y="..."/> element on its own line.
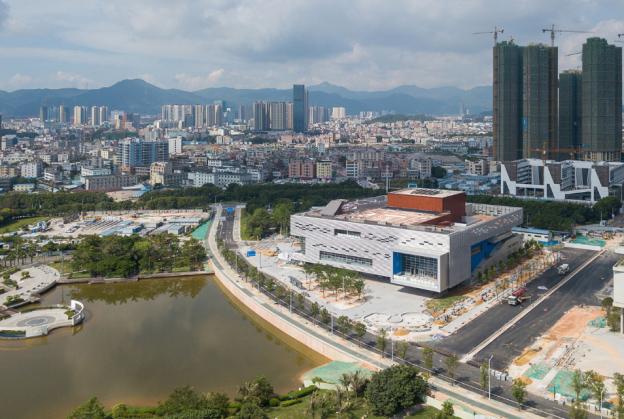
<point x="600" y="406"/>
<point x="490" y="377"/>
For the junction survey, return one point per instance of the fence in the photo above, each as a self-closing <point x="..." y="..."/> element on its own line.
<point x="330" y="324"/>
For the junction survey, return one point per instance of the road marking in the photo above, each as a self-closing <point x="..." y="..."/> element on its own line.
<point x="530" y="308"/>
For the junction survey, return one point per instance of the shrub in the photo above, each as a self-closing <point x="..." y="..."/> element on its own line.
<point x="274" y="402"/>
<point x="290" y="402"/>
<point x="297" y="394"/>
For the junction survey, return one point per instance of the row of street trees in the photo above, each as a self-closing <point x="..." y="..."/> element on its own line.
<point x="336" y="280"/>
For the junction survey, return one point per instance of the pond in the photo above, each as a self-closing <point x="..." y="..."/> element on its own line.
<point x="140" y="340"/>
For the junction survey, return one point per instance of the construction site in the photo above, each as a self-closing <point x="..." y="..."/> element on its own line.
<point x="580" y="340"/>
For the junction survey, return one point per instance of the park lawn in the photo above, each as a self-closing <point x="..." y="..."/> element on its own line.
<point x="438" y="305"/>
<point x="299" y="411"/>
<point x="22" y="222"/>
<point x="67" y="271"/>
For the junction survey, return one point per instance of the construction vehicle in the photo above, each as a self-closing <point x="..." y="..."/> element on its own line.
<point x="517" y="297"/>
<point x="563" y="269"/>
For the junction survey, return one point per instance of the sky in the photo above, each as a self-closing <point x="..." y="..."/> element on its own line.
<point x="358" y="44"/>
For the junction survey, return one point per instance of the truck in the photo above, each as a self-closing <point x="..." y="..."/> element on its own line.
<point x="517" y="296"/>
<point x="563" y="269"/>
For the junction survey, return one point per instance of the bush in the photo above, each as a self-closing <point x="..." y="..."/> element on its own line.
<point x="291" y="402"/>
<point x="274" y="402"/>
<point x="297" y="394"/>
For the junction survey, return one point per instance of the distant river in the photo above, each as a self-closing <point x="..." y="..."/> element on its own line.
<point x="139" y="342"/>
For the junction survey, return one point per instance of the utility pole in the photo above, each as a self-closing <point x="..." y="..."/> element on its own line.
<point x="490" y="377"/>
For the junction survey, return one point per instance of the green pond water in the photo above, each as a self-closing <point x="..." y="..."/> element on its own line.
<point x="141" y="340"/>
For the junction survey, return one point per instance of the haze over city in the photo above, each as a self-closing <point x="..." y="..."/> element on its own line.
<point x="251" y="43"/>
<point x="245" y="209"/>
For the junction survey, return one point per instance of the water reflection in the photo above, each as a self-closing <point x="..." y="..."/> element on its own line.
<point x="140" y="341"/>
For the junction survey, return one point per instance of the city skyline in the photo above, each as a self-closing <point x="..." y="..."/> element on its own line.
<point x="251" y="44"/>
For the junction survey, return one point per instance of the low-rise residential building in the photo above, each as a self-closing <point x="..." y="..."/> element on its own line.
<point x="33" y="169"/>
<point x="479" y="167"/>
<point x="324" y="170"/>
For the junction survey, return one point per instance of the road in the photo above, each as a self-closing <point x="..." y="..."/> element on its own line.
<point x="472" y="334"/>
<point x="467" y="376"/>
<point x="580" y="290"/>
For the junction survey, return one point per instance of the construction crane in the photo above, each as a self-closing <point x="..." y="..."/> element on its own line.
<point x="620" y="35"/>
<point x="495" y="32"/>
<point x="553" y="31"/>
<point x="574" y="53"/>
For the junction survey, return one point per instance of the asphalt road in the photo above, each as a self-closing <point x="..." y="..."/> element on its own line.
<point x="472" y="334"/>
<point x="580" y="290"/>
<point x="467" y="376"/>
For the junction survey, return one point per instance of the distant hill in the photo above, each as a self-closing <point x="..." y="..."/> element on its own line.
<point x="139" y="96"/>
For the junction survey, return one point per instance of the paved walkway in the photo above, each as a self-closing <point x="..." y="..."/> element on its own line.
<point x="474" y="402"/>
<point x="41" y="279"/>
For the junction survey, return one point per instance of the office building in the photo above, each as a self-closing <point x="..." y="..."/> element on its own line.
<point x="137" y="152"/>
<point x="507" y="101"/>
<point x="300" y="108"/>
<point x="602" y="101"/>
<point x="568" y="180"/>
<point x="539" y="99"/>
<point x="427" y="239"/>
<point x="570" y="114"/>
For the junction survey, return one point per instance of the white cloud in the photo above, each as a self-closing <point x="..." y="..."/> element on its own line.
<point x="73" y="80"/>
<point x="19" y="80"/>
<point x="256" y="43"/>
<point x="197" y="82"/>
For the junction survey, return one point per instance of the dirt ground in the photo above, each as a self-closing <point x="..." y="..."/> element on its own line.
<point x="573" y="323"/>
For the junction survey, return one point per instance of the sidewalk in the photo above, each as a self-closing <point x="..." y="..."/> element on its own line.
<point x="316" y="337"/>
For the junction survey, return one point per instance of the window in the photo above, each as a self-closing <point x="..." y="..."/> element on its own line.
<point x="339" y="232"/>
<point x="347" y="259"/>
<point x="420" y="266"/>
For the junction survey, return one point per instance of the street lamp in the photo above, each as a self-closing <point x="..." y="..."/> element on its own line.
<point x="600" y="406"/>
<point x="490" y="377"/>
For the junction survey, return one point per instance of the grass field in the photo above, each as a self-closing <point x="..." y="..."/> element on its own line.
<point x="438" y="305"/>
<point x="65" y="270"/>
<point x="300" y="411"/>
<point x="18" y="224"/>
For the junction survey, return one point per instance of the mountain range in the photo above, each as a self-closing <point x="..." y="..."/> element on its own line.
<point x="139" y="96"/>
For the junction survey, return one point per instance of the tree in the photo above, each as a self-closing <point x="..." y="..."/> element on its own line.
<point x="428" y="358"/>
<point x="360" y="330"/>
<point x="325" y="316"/>
<point x="578" y="383"/>
<point x="451" y="362"/>
<point x="344" y="324"/>
<point x="259" y="390"/>
<point x="577" y="411"/>
<point x="484" y="375"/>
<point x="251" y="410"/>
<point x="382" y="341"/>
<point x="358" y="286"/>
<point x="595" y="384"/>
<point x="314" y="309"/>
<point x="402" y="348"/>
<point x="182" y="399"/>
<point x="447" y="409"/>
<point x="518" y="391"/>
<point x="281" y="215"/>
<point x="395" y="389"/>
<point x="91" y="409"/>
<point x="618" y="381"/>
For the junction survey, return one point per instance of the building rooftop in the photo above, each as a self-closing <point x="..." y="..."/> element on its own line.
<point x="438" y="193"/>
